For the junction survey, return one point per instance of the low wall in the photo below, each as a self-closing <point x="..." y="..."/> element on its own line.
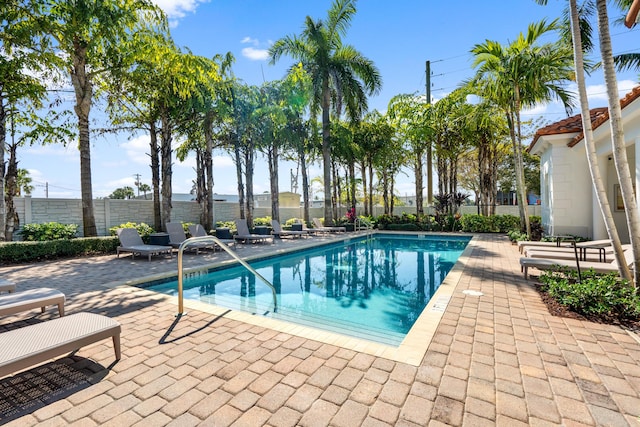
<point x="112" y="212"/>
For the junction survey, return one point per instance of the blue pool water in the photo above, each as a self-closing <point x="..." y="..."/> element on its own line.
<point x="373" y="288"/>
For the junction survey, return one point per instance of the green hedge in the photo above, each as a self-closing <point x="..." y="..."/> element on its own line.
<point x="472" y="223"/>
<point x="19" y="252"/>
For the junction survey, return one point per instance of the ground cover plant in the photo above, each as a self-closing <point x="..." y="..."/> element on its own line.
<point x="603" y="298"/>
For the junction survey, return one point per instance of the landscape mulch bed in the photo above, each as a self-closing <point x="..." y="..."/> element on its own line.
<point x="557" y="309"/>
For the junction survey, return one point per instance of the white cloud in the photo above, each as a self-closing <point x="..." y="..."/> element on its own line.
<point x="136" y="150"/>
<point x="176" y="9"/>
<point x="250" y="41"/>
<point x="255" y="54"/>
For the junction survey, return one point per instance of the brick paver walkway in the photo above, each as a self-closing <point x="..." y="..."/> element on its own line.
<point x="496" y="359"/>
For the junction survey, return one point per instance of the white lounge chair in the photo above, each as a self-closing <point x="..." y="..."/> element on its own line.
<point x="246" y="236"/>
<point x="7" y="286"/>
<point x="17" y="302"/>
<point x="317" y="223"/>
<point x="585" y="253"/>
<point x="31" y="345"/>
<point x="131" y="242"/>
<point x="524" y="244"/>
<point x="278" y="231"/>
<point x="549" y="264"/>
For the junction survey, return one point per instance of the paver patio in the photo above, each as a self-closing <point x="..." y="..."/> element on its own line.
<point x="495" y="359"/>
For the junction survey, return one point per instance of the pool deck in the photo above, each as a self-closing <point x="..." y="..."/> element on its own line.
<point x="498" y="358"/>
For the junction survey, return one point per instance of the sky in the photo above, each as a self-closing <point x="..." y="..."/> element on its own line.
<point x="399" y="37"/>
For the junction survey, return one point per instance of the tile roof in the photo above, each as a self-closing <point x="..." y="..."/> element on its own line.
<point x="573" y="124"/>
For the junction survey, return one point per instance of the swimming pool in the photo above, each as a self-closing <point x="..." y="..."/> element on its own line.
<point x="373" y="287"/>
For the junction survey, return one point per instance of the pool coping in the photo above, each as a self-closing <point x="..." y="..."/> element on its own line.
<point x="412" y="349"/>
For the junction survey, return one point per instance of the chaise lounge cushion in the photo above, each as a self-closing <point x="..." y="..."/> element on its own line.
<point x="17" y="302"/>
<point x="31" y="345"/>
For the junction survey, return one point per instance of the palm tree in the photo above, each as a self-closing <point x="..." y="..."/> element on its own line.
<point x="521" y="75"/>
<point x="581" y="38"/>
<point x="412" y="120"/>
<point x="339" y="74"/>
<point x="617" y="135"/>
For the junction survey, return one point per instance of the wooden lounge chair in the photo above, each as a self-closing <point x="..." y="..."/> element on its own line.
<point x="130" y="241"/>
<point x="34" y="344"/>
<point x="549" y="264"/>
<point x="7" y="286"/>
<point x="17" y="302"/>
<point x="318" y="225"/>
<point x="279" y="232"/>
<point x="244" y="234"/>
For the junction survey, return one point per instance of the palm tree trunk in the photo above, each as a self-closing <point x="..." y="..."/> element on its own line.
<point x="84" y="90"/>
<point x="429" y="174"/>
<point x="617" y="133"/>
<point x="3" y="141"/>
<point x="248" y="177"/>
<point x="208" y="169"/>
<point x="326" y="152"/>
<point x="11" y="191"/>
<point x="165" y="161"/>
<point x="590" y="147"/>
<point x="370" y="186"/>
<point x="363" y="172"/>
<point x="513" y="119"/>
<point x="155" y="174"/>
<point x="239" y="178"/>
<point x="305" y="184"/>
<point x="419" y="185"/>
<point x="273" y="182"/>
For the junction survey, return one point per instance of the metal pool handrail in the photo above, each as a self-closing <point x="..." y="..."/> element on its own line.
<point x="228" y="250"/>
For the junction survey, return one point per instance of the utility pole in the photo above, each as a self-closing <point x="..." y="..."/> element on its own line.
<point x="429" y="159"/>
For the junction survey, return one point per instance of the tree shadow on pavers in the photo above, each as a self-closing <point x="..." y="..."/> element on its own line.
<point x="114" y="302"/>
<point x="28" y="391"/>
<point x="164" y="339"/>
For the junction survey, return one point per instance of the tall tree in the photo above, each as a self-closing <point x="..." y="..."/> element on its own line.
<point x="412" y="119"/>
<point x="339" y="75"/>
<point x="520" y="75"/>
<point x="92" y="35"/>
<point x="25" y="60"/>
<point x="581" y="41"/>
<point x="617" y="136"/>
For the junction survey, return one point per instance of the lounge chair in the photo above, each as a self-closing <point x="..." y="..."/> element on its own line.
<point x="40" y="342"/>
<point x="549" y="264"/>
<point x="278" y="231"/>
<point x="318" y="225"/>
<point x="246" y="236"/>
<point x="7" y="286"/>
<point x="177" y="236"/>
<point x="197" y="230"/>
<point x="523" y="244"/>
<point x="130" y="241"/>
<point x="17" y="302"/>
<point x="598" y="253"/>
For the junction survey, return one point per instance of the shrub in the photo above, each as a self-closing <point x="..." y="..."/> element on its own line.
<point x="144" y="230"/>
<point x="472" y="223"/>
<point x="48" y="231"/>
<point x="288" y="223"/>
<point x="17" y="252"/>
<point x="263" y="221"/>
<point x="601" y="295"/>
<point x="517" y="235"/>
